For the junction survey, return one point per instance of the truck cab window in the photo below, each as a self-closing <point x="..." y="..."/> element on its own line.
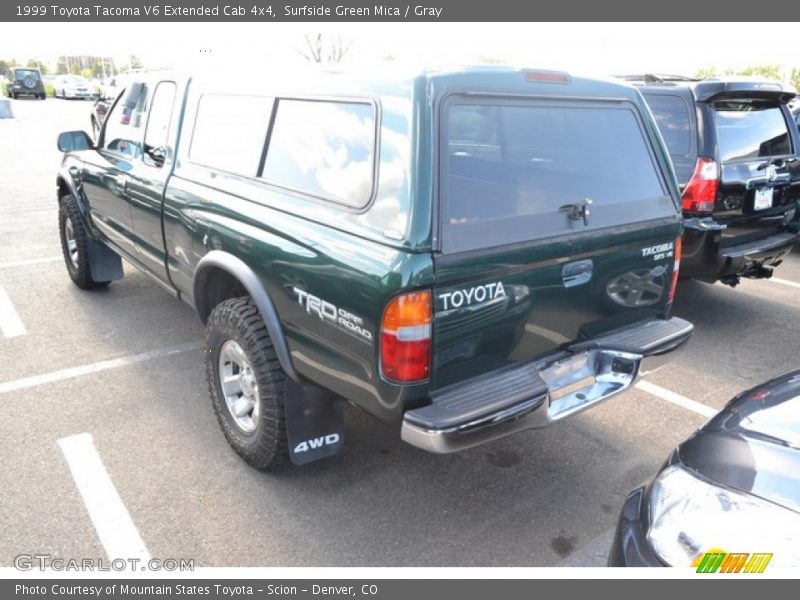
<point x="156" y="135"/>
<point x="125" y="123"/>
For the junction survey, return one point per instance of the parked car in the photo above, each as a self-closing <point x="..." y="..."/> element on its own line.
<point x="72" y="86"/>
<point x="461" y="254"/>
<point x="24" y="81"/>
<point x="735" y="155"/>
<point x="733" y="488"/>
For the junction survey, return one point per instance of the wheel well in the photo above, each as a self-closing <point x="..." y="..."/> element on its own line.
<point x="215" y="285"/>
<point x="63" y="189"/>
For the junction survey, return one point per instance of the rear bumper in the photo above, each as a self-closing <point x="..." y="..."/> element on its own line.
<point x="539" y="393"/>
<point x="706" y="256"/>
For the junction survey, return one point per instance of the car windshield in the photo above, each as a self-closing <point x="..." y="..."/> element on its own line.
<point x="751" y="130"/>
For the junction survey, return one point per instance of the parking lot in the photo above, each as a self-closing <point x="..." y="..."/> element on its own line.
<point x="103" y="402"/>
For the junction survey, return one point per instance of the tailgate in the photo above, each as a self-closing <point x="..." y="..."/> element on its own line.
<point x="758" y="175"/>
<point x="556" y="226"/>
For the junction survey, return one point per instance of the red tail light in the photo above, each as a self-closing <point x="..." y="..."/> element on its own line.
<point x="700" y="194"/>
<point x="406" y="338"/>
<point x="676" y="267"/>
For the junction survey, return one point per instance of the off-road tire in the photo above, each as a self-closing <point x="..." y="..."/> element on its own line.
<point x="80" y="273"/>
<point x="238" y="319"/>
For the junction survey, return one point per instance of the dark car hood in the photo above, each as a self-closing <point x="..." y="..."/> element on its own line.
<point x="753" y="445"/>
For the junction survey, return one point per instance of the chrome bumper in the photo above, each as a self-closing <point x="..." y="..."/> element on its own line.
<point x="537" y="394"/>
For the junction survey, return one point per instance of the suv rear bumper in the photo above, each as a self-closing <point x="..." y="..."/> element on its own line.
<point x="539" y="393"/>
<point x="708" y="258"/>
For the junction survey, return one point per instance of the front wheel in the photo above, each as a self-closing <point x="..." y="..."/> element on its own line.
<point x="246" y="383"/>
<point x="75" y="244"/>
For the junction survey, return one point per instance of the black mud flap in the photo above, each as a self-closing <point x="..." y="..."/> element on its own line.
<point x="314" y="423"/>
<point x="104" y="263"/>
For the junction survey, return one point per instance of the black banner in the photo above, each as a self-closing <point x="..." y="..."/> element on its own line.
<point x="379" y="589"/>
<point x="391" y="11"/>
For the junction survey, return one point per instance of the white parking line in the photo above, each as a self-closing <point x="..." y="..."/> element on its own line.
<point x="677" y="399"/>
<point x="10" y="323"/>
<point x="784" y="282"/>
<point x="110" y="518"/>
<point x="30" y="261"/>
<point x="72" y="372"/>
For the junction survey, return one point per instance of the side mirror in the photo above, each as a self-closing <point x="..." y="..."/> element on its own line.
<point x="70" y="141"/>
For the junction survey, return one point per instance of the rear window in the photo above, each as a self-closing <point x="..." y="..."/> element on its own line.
<point x="511" y="168"/>
<point x="230" y="132"/>
<point x="323" y="148"/>
<point x="750" y="130"/>
<point x="25" y="73"/>
<point x="672" y="116"/>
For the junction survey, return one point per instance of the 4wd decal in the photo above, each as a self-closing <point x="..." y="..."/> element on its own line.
<point x="660" y="251"/>
<point x="473" y="295"/>
<point x="330" y="313"/>
<point x="318" y="442"/>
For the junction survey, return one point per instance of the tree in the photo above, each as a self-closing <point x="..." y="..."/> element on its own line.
<point x="61" y="68"/>
<point x="75" y="69"/>
<point x="321" y="48"/>
<point x="37" y="64"/>
<point x="86" y="73"/>
<point x="766" y="71"/>
<point x="705" y="73"/>
<point x="796" y="78"/>
<point x="134" y="62"/>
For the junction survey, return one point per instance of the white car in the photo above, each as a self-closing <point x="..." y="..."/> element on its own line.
<point x="72" y="86"/>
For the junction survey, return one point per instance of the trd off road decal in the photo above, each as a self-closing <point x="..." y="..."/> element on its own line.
<point x="660" y="251"/>
<point x="473" y="295"/>
<point x="330" y="313"/>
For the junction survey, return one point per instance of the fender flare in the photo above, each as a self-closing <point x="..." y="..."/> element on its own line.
<point x="245" y="275"/>
<point x="69" y="182"/>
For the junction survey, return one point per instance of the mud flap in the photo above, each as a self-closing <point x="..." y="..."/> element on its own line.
<point x="314" y="423"/>
<point x="104" y="263"/>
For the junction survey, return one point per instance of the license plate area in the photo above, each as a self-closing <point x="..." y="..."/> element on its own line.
<point x="762" y="198"/>
<point x="583" y="379"/>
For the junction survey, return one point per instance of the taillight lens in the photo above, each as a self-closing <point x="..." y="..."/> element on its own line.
<point x="676" y="267"/>
<point x="700" y="194"/>
<point x="406" y="338"/>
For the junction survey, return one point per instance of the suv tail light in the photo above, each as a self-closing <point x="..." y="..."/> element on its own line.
<point x="700" y="194"/>
<point x="676" y="267"/>
<point x="406" y="338"/>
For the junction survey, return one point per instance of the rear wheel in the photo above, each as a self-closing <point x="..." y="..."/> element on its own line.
<point x="75" y="244"/>
<point x="246" y="383"/>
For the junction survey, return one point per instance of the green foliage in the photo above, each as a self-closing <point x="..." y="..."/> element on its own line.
<point x="61" y="68"/>
<point x="767" y="71"/>
<point x="49" y="89"/>
<point x="773" y="72"/>
<point x="705" y="73"/>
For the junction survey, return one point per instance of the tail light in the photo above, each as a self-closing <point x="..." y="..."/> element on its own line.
<point x="676" y="267"/>
<point x="406" y="338"/>
<point x="700" y="194"/>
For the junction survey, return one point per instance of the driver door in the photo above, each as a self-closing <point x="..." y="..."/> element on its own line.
<point x="107" y="172"/>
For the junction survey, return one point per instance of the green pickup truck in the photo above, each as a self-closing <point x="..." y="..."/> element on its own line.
<point x="465" y="254"/>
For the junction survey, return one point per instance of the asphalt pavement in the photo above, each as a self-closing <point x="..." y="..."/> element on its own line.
<point x="104" y="403"/>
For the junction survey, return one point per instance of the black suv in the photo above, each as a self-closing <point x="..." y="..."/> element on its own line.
<point x="25" y="82"/>
<point x="734" y="149"/>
